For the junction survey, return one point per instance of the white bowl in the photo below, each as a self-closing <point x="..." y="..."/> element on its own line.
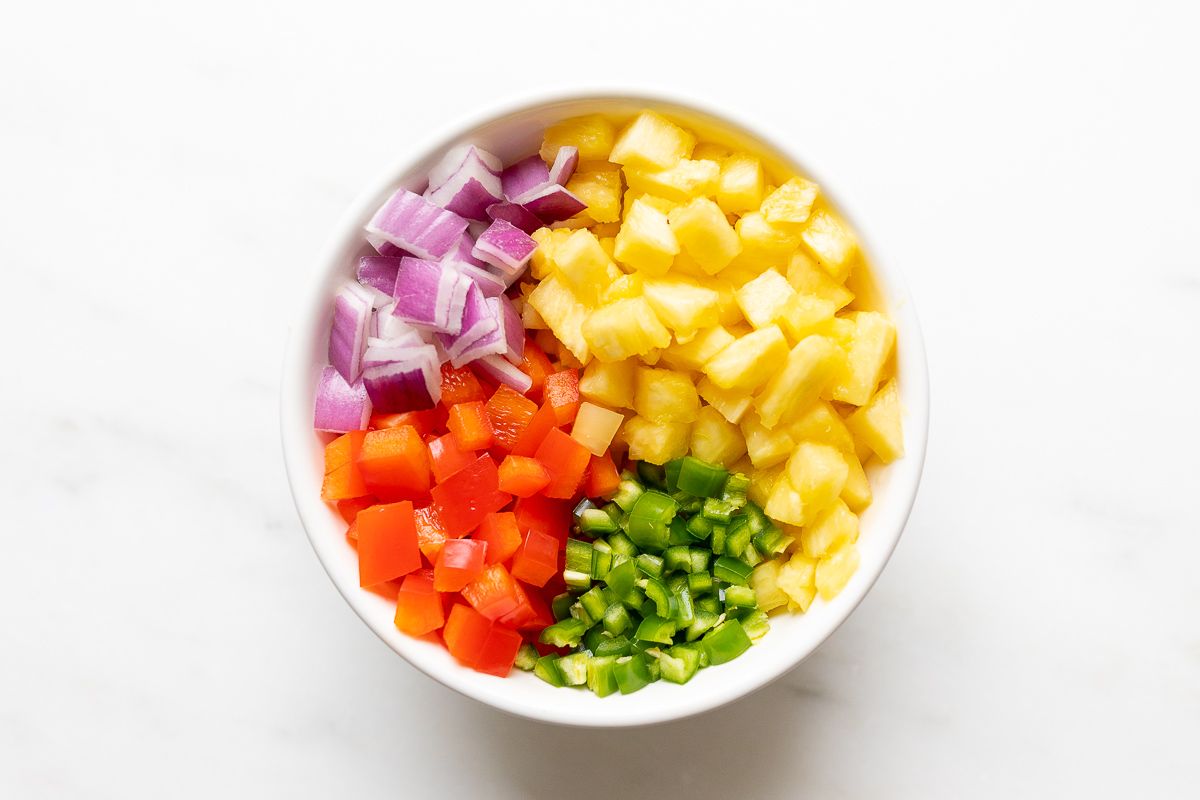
<point x="510" y="133"/>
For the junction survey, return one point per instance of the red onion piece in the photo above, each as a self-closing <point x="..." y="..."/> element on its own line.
<point x="505" y="372"/>
<point x="513" y="329"/>
<point x="412" y="384"/>
<point x="470" y="189"/>
<point x="412" y="223"/>
<point x="378" y="272"/>
<point x="340" y="406"/>
<point x="429" y="296"/>
<point x="462" y="251"/>
<point x="477" y="321"/>
<point x="348" y="333"/>
<point x="552" y="203"/>
<point x="565" y="162"/>
<point x="505" y="247"/>
<point x="456" y="158"/>
<point x="515" y="215"/>
<point x="489" y="284"/>
<point x="526" y="174"/>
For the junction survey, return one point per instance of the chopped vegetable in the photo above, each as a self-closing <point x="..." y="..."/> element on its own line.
<point x="348" y="336"/>
<point x="340" y="406"/>
<point x="412" y="223"/>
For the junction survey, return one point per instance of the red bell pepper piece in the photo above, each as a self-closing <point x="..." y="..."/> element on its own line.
<point x="602" y="477"/>
<point x="565" y="460"/>
<point x="539" y="425"/>
<point x="460" y="386"/>
<point x="426" y="421"/>
<point x="394" y="462"/>
<point x="447" y="458"/>
<point x="460" y="562"/>
<point x="493" y="593"/>
<point x="349" y="508"/>
<point x="430" y="533"/>
<point x="536" y="365"/>
<point x="469" y="495"/>
<point x="499" y="651"/>
<point x="522" y="476"/>
<point x="387" y="543"/>
<point x="536" y="560"/>
<point x="470" y="425"/>
<point x="418" y="605"/>
<point x="562" y="392"/>
<point x="509" y="413"/>
<point x="502" y="535"/>
<point x="549" y="516"/>
<point x="343" y="480"/>
<point x="466" y="633"/>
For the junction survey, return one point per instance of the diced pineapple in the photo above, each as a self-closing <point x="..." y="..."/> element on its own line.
<point x="797" y="579"/>
<point x="763" y="243"/>
<point x="530" y="318"/>
<point x="857" y="491"/>
<point x="803" y="314"/>
<point x="593" y="135"/>
<point x="695" y="353"/>
<point x="584" y="266"/>
<point x="765" y="446"/>
<point x="818" y="473"/>
<point x="732" y="403"/>
<point x="765" y="583"/>
<point x="663" y="395"/>
<point x="878" y="423"/>
<point x="681" y="182"/>
<point x="762" y="481"/>
<point x="710" y="151"/>
<point x="609" y="383"/>
<point x="829" y="530"/>
<point x="810" y="366"/>
<point x="682" y="304"/>
<point x="715" y="439"/>
<point x="599" y="186"/>
<point x="762" y="300"/>
<point x="650" y="141"/>
<point x="623" y="287"/>
<point x="748" y="362"/>
<point x="828" y="238"/>
<point x="606" y="230"/>
<point x="595" y="426"/>
<point x="626" y="328"/>
<point x="785" y="503"/>
<point x="661" y="203"/>
<point x="835" y="570"/>
<point x="740" y="188"/>
<point x="656" y="442"/>
<point x="548" y="240"/>
<point x="646" y="241"/>
<point x="807" y="278"/>
<point x="684" y="264"/>
<point x="820" y="423"/>
<point x="705" y="235"/>
<point x="791" y="203"/>
<point x="728" y="308"/>
<point x="871" y="345"/>
<point x="651" y="358"/>
<point x="563" y="312"/>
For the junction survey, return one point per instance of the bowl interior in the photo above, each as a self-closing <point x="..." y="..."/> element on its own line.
<point x="511" y="135"/>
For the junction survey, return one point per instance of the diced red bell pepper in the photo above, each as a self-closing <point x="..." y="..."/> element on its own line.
<point x="387" y="543"/>
<point x="522" y="476"/>
<point x="460" y="562"/>
<point x="499" y="651"/>
<point x="544" y="514"/>
<point x="493" y="593"/>
<point x="602" y="477"/>
<point x="531" y="613"/>
<point x="470" y="425"/>
<point x="343" y="480"/>
<point x="565" y="460"/>
<point x="394" y="462"/>
<point x="502" y="535"/>
<point x="447" y="457"/>
<point x="536" y="365"/>
<point x="562" y="392"/>
<point x="426" y="421"/>
<point x="536" y="560"/>
<point x="430" y="533"/>
<point x="418" y="605"/>
<point x="509" y="413"/>
<point x="466" y="633"/>
<point x="469" y="495"/>
<point x="539" y="425"/>
<point x="349" y="508"/>
<point x="460" y="386"/>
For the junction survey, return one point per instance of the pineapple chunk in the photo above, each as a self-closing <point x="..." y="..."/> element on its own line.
<point x="710" y="151"/>
<point x="790" y="203"/>
<point x="548" y="240"/>
<point x="684" y="264"/>
<point x="625" y="328"/>
<point x="606" y="230"/>
<point x="622" y="288"/>
<point x="828" y="238"/>
<point x="765" y="583"/>
<point x="600" y="187"/>
<point x="765" y="446"/>
<point x="651" y="141"/>
<point x="763" y="243"/>
<point x="762" y="482"/>
<point x="870" y="346"/>
<point x="566" y="316"/>
<point x="693" y="354"/>
<point x="681" y="304"/>
<point x="797" y="579"/>
<point x="807" y="278"/>
<point x="732" y="403"/>
<point x="877" y="424"/>
<point x="715" y="439"/>
<point x="818" y="473"/>
<point x="656" y="442"/>
<point x="646" y="242"/>
<point x="857" y="491"/>
<point x="803" y="314"/>
<point x="810" y="366"/>
<point x="705" y="235"/>
<point x="595" y="427"/>
<point x="662" y="395"/>
<point x="820" y="423"/>
<point x="740" y="188"/>
<point x="593" y="135"/>
<point x="762" y="300"/>
<point x="584" y="266"/>
<point x="609" y="383"/>
<point x="834" y="527"/>
<point x="681" y="182"/>
<point x="785" y="503"/>
<point x="661" y="203"/>
<point x="730" y="312"/>
<point x="835" y="570"/>
<point x="748" y="362"/>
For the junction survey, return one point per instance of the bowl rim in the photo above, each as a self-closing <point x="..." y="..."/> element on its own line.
<point x="313" y="299"/>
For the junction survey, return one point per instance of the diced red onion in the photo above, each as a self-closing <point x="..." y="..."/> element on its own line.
<point x="348" y="333"/>
<point x="470" y="189"/>
<point x="515" y="215"/>
<point x="505" y="247"/>
<point x="552" y="203"/>
<point x="430" y="296"/>
<point x="340" y="406"/>
<point x="378" y="272"/>
<point x="384" y="247"/>
<point x="512" y="328"/>
<point x="500" y="369"/>
<point x="454" y="160"/>
<point x="412" y="223"/>
<point x="477" y="320"/>
<point x="565" y="162"/>
<point x="398" y="348"/>
<point x="411" y="384"/>
<point x="526" y="174"/>
<point x="489" y="284"/>
<point x="462" y="251"/>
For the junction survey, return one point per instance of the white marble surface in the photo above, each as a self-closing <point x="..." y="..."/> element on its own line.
<point x="167" y="176"/>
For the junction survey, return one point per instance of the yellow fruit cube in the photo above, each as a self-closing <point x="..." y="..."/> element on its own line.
<point x="695" y="353"/>
<point x="646" y="241"/>
<point x="663" y="395"/>
<point x="593" y="135"/>
<point x="682" y="304"/>
<point x="829" y="530"/>
<point x="807" y="278"/>
<point x="763" y="299"/>
<point x="765" y="446"/>
<point x="599" y="186"/>
<point x="548" y="240"/>
<point x="661" y="203"/>
<point x="563" y="313"/>
<point x="750" y="361"/>
<point x="797" y="579"/>
<point x="762" y="482"/>
<point x="705" y="235"/>
<point x="716" y="439"/>
<point x="765" y="583"/>
<point x="609" y="383"/>
<point x="764" y="243"/>
<point x="818" y="473"/>
<point x="740" y="187"/>
<point x="878" y="423"/>
<point x="710" y="151"/>
<point x="835" y="570"/>
<point x="791" y="203"/>
<point x="820" y="423"/>
<point x="651" y="141"/>
<point x="584" y="266"/>
<point x="857" y="491"/>
<point x="728" y="309"/>
<point x="731" y="403"/>
<point x="803" y="314"/>
<point x="626" y="328"/>
<point x="656" y="442"/>
<point x="595" y="427"/>
<point x="624" y="287"/>
<point x="834" y="245"/>
<point x="785" y="503"/>
<point x="810" y="366"/>
<point x="870" y="346"/>
<point x="680" y="182"/>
